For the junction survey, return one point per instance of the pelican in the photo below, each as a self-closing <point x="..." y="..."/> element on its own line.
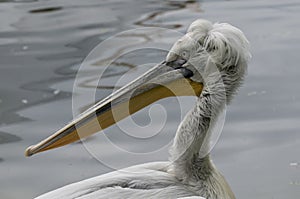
<point x="210" y="62"/>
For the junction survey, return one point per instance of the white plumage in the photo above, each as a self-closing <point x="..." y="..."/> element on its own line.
<point x="217" y="54"/>
<point x="147" y="180"/>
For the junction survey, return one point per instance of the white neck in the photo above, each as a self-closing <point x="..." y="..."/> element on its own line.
<point x="190" y="167"/>
<point x="189" y="139"/>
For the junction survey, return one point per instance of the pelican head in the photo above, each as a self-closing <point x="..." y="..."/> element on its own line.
<point x="184" y="72"/>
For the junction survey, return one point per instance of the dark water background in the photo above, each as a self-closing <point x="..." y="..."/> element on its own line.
<point x="43" y="42"/>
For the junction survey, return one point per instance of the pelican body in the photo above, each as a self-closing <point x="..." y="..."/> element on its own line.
<point x="210" y="62"/>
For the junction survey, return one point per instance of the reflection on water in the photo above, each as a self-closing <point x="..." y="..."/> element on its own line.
<point x="43" y="10"/>
<point x="17" y="1"/>
<point x="42" y="44"/>
<point x="7" y="138"/>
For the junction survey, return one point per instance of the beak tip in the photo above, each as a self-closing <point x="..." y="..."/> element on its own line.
<point x="28" y="151"/>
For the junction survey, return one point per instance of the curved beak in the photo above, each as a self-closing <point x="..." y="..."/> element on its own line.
<point x="163" y="80"/>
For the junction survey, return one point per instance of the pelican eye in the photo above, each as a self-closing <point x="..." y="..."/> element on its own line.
<point x="185" y="55"/>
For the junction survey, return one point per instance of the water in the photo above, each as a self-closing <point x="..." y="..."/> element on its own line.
<point x="42" y="44"/>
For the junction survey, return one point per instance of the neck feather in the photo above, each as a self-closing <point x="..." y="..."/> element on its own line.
<point x="190" y="147"/>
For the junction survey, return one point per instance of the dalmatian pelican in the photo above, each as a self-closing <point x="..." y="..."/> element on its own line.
<point x="209" y="61"/>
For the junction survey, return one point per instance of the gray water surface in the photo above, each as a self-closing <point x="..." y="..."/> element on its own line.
<point x="42" y="44"/>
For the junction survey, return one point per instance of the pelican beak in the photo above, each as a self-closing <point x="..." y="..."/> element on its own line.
<point x="163" y="80"/>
